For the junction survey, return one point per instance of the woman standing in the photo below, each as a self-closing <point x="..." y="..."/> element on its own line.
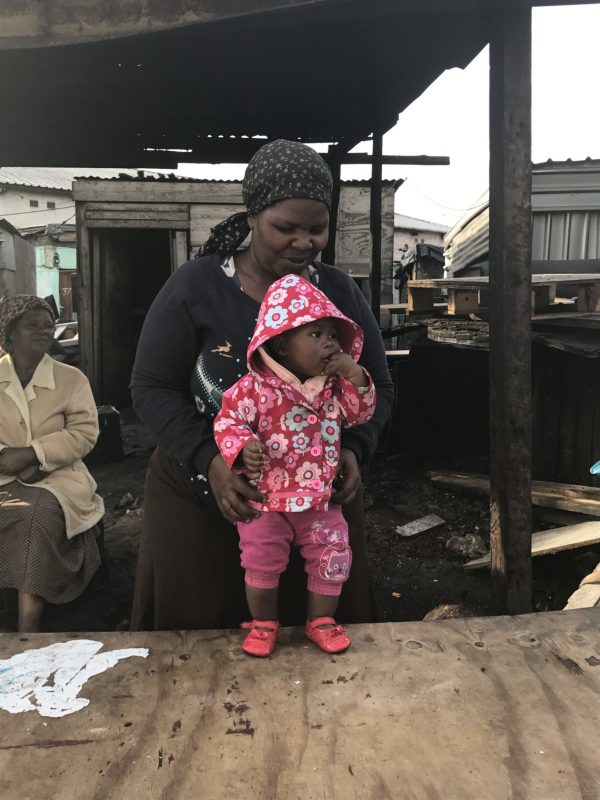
<point x="192" y="348"/>
<point x="48" y="504"/>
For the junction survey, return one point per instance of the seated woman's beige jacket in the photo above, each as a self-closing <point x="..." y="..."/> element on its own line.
<point x="57" y="416"/>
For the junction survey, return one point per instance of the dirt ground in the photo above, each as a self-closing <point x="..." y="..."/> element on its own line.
<point x="413" y="576"/>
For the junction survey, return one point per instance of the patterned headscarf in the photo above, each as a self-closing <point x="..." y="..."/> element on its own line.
<point x="280" y="170"/>
<point x="11" y="308"/>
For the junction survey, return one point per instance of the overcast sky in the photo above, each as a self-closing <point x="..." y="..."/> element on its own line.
<point x="451" y="118"/>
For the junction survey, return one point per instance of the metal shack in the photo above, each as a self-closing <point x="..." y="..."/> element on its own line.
<point x="17" y="262"/>
<point x="132" y="233"/>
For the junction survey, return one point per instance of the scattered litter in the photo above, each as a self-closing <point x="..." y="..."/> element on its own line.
<point x="126" y="502"/>
<point x="26" y="684"/>
<point x="420" y="525"/>
<point x="469" y="546"/>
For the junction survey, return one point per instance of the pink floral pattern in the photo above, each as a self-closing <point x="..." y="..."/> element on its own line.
<point x="301" y="437"/>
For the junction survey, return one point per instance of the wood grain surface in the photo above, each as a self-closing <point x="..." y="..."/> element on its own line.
<point x="489" y="708"/>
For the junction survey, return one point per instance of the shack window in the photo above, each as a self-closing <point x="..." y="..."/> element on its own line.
<point x="50" y="204"/>
<point x="33" y="203"/>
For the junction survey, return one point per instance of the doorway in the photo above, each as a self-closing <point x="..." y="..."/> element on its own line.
<point x="129" y="268"/>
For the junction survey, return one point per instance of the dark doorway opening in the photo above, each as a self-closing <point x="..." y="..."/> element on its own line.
<point x="132" y="266"/>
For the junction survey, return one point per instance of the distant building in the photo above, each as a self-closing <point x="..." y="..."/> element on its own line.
<point x="40" y="196"/>
<point x="418" y="251"/>
<point x="55" y="264"/>
<point x="565" y="202"/>
<point x="410" y="231"/>
<point x="39" y="203"/>
<point x="17" y="262"/>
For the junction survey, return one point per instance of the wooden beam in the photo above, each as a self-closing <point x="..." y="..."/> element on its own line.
<point x="157" y="191"/>
<point x="585" y="534"/>
<point x="564" y="496"/>
<point x="86" y="296"/>
<point x="329" y="251"/>
<point x="366" y="158"/>
<point x="376" y="176"/>
<point x="510" y="310"/>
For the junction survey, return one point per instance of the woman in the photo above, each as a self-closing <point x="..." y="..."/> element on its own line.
<point x="193" y="347"/>
<point x="48" y="504"/>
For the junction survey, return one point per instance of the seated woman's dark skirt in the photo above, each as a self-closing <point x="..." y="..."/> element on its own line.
<point x="189" y="574"/>
<point x="35" y="555"/>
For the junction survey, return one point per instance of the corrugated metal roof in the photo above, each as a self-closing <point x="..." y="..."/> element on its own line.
<point x="570" y="164"/>
<point x="61" y="179"/>
<point x="565" y="212"/>
<point x="163" y="101"/>
<point x="413" y="223"/>
<point x="7" y="226"/>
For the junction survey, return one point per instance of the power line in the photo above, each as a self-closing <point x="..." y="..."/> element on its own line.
<point x="481" y="204"/>
<point x="36" y="211"/>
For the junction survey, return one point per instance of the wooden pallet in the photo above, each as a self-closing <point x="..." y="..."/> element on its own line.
<point x="470" y="295"/>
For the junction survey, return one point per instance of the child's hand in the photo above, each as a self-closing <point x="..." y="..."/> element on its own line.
<point x="342" y="364"/>
<point x="254" y="459"/>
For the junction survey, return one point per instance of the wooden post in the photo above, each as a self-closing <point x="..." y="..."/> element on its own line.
<point x="328" y="254"/>
<point x="510" y="310"/>
<point x="376" y="174"/>
<point x="86" y="296"/>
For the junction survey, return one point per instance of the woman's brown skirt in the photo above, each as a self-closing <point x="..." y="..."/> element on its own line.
<point x="35" y="555"/>
<point x="189" y="574"/>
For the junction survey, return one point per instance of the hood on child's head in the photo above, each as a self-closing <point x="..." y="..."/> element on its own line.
<point x="293" y="301"/>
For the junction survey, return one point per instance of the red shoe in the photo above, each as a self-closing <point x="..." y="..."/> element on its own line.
<point x="259" y="642"/>
<point x="331" y="640"/>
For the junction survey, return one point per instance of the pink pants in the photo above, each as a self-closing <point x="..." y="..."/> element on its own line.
<point x="321" y="537"/>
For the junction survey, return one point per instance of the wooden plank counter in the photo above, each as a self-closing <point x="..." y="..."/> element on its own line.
<point x="488" y="709"/>
<point x="468" y="295"/>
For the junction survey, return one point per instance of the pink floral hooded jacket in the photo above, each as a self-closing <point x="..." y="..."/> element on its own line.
<point x="298" y="423"/>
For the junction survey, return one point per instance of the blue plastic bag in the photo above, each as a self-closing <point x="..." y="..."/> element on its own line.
<point x="595" y="470"/>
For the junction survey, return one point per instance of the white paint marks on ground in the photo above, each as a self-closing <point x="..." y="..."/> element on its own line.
<point x="48" y="679"/>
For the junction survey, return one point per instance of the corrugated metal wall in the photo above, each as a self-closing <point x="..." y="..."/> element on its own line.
<point x="567" y="235"/>
<point x="566" y="220"/>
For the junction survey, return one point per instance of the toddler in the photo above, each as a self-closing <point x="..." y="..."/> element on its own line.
<point x="281" y="424"/>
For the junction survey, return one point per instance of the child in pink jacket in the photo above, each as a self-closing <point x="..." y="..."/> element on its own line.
<point x="281" y="425"/>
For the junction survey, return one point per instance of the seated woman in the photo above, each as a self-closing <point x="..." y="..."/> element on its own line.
<point x="48" y="502"/>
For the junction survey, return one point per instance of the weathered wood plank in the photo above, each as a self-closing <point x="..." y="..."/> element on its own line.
<point x="510" y="309"/>
<point x="97" y="305"/>
<point x="126" y="208"/>
<point x="146" y="223"/>
<point x="375" y="222"/>
<point x="584" y="597"/>
<point x="85" y="291"/>
<point x="157" y="191"/>
<point x="179" y="249"/>
<point x="135" y="214"/>
<point x="477" y="281"/>
<point x="568" y="497"/>
<point x="462" y="301"/>
<point x="203" y="217"/>
<point x="543" y="543"/>
<point x="460" y="709"/>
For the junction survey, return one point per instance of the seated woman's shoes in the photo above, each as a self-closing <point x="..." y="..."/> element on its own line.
<point x="262" y="637"/>
<point x="333" y="639"/>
